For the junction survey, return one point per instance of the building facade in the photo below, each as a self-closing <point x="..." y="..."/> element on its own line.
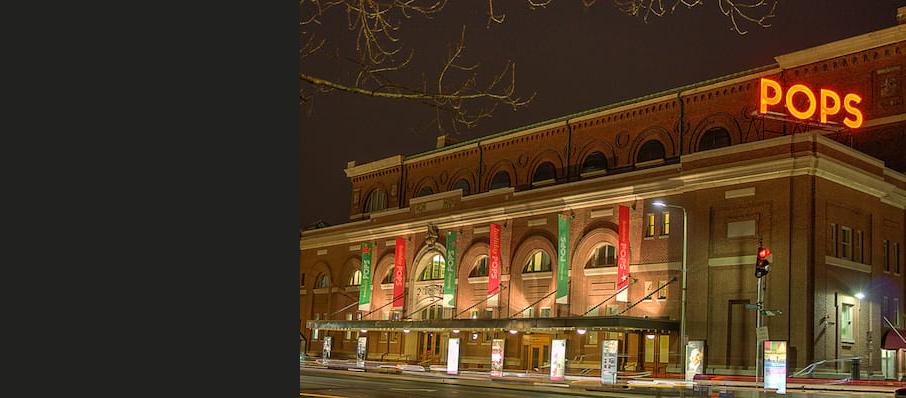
<point x="797" y="177"/>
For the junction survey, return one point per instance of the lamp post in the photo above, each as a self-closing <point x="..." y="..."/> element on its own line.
<point x="683" y="337"/>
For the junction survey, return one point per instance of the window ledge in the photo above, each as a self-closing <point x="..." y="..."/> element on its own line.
<point x="648" y="238"/>
<point x="544" y="182"/>
<point x="321" y="290"/>
<point x="478" y="279"/>
<point x="386" y="286"/>
<point x="662" y="236"/>
<point x="593" y="173"/>
<point x="649" y="163"/>
<point x="536" y="275"/>
<point x="601" y="271"/>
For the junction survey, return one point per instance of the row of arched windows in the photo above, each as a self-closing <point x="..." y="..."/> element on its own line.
<point x="714" y="138"/>
<point x="539" y="261"/>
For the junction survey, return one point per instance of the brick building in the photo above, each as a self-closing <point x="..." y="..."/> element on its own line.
<point x="827" y="199"/>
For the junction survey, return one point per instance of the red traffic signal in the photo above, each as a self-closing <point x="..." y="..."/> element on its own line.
<point x="761" y="263"/>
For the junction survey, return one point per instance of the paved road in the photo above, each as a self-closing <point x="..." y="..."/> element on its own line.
<point x="339" y="384"/>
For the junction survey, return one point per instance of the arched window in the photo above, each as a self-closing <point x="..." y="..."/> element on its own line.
<point x="425" y="191"/>
<point x="461" y="184"/>
<point x="323" y="281"/>
<point x="544" y="172"/>
<point x="603" y="256"/>
<point x="651" y="150"/>
<point x="434" y="270"/>
<point x="714" y="138"/>
<point x="356" y="278"/>
<point x="539" y="261"/>
<point x="377" y="200"/>
<point x="594" y="162"/>
<point x="481" y="267"/>
<point x="388" y="278"/>
<point x="500" y="180"/>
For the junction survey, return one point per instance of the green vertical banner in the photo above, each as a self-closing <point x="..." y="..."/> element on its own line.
<point x="365" y="287"/>
<point x="450" y="272"/>
<point x="563" y="259"/>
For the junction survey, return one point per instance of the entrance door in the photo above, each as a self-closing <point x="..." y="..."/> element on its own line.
<point x="536" y="353"/>
<point x="429" y="346"/>
<point x="656" y="353"/>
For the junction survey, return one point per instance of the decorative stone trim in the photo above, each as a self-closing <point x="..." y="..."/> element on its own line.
<point x="536" y="222"/>
<point x="601" y="213"/>
<point x="727" y="261"/>
<point x="739" y="193"/>
<point x="537" y="275"/>
<point x="322" y="252"/>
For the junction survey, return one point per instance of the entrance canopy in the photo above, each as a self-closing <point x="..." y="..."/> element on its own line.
<point x="892" y="341"/>
<point x="519" y="324"/>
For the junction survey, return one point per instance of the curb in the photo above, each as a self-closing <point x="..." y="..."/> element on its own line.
<point x="517" y="385"/>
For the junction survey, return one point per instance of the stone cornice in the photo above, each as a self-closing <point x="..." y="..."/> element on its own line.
<point x="374" y="166"/>
<point x="842" y="47"/>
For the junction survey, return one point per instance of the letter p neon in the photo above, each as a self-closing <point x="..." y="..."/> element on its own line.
<point x="827" y="109"/>
<point x="766" y="99"/>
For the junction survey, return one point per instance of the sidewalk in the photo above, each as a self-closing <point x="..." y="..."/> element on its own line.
<point x="705" y="385"/>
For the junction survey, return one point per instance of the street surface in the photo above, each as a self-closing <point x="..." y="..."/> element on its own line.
<point x="341" y="384"/>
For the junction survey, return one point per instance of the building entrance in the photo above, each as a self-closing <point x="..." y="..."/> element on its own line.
<point x="536" y="352"/>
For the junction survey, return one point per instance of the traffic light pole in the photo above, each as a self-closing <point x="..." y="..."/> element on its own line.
<point x="758" y="343"/>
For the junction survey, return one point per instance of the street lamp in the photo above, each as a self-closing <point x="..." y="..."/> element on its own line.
<point x="683" y="302"/>
<point x="860" y="295"/>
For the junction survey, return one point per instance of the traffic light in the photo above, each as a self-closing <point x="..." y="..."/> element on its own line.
<point x="762" y="263"/>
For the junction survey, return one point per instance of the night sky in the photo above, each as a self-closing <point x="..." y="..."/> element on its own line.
<point x="574" y="58"/>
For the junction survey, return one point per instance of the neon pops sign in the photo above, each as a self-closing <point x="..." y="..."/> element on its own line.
<point x="826" y="103"/>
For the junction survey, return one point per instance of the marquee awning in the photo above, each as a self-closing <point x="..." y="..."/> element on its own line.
<point x="519" y="324"/>
<point x="892" y="341"/>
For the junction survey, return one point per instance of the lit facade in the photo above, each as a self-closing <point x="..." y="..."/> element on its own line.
<point x="827" y="199"/>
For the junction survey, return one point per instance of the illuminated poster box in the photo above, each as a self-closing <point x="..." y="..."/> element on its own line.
<point x="775" y="365"/>
<point x="453" y="356"/>
<point x="695" y="359"/>
<point x="361" y="351"/>
<point x="609" y="351"/>
<point x="497" y="357"/>
<point x="558" y="359"/>
<point x="325" y="349"/>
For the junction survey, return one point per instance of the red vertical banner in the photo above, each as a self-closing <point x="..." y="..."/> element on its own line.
<point x="494" y="266"/>
<point x="623" y="255"/>
<point x="399" y="272"/>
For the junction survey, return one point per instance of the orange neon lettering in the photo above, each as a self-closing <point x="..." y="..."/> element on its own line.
<point x="808" y="112"/>
<point x="829" y="110"/>
<point x="769" y="100"/>
<point x="848" y="102"/>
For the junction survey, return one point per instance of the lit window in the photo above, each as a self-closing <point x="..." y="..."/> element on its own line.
<point x="481" y="268"/>
<point x="388" y="278"/>
<point x="322" y="282"/>
<point x="529" y="312"/>
<point x="434" y="270"/>
<point x="591" y="338"/>
<point x="846" y="243"/>
<point x="473" y="314"/>
<point x="356" y="279"/>
<point x="314" y="333"/>
<point x="348" y="332"/>
<point x="603" y="256"/>
<point x="489" y="313"/>
<point x="665" y="223"/>
<point x="649" y="230"/>
<point x="649" y="289"/>
<point x="592" y="311"/>
<point x="376" y="201"/>
<point x="539" y="261"/>
<point x="662" y="294"/>
<point x="545" y="312"/>
<point x="846" y="323"/>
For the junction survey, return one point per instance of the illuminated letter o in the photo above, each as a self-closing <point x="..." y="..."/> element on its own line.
<point x="812" y="104"/>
